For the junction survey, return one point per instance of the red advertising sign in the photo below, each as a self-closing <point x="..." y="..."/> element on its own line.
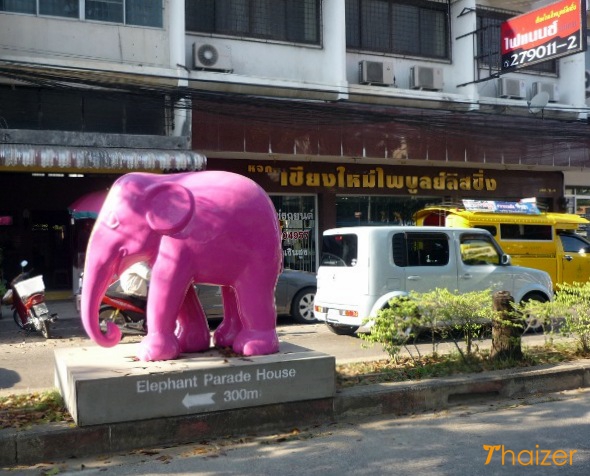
<point x="544" y="34"/>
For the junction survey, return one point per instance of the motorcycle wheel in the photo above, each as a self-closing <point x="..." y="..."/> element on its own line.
<point x="18" y="320"/>
<point x="45" y="329"/>
<point x="111" y="314"/>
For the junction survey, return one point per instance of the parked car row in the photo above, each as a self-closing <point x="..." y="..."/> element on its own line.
<point x="294" y="296"/>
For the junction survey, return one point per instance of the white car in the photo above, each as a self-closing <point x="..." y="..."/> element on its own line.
<point x="363" y="268"/>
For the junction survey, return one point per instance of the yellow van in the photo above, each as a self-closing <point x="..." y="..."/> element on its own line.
<point x="541" y="240"/>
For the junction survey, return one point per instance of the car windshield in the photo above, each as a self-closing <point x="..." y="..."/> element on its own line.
<point x="479" y="250"/>
<point x="339" y="250"/>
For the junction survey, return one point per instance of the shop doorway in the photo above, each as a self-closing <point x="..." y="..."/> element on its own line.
<point x="297" y="215"/>
<point x="43" y="241"/>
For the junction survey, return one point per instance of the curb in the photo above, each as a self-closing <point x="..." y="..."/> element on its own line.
<point x="59" y="441"/>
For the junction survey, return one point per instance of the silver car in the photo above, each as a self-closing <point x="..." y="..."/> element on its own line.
<point x="294" y="296"/>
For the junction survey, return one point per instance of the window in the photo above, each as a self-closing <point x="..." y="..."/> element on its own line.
<point x="491" y="228"/>
<point x="374" y="210"/>
<point x="526" y="232"/>
<point x="104" y="10"/>
<point x="282" y="20"/>
<point x="60" y="8"/>
<point x="19" y="6"/>
<point x="339" y="250"/>
<point x="574" y="244"/>
<point x="87" y="111"/>
<point x="143" y="12"/>
<point x="488" y="41"/>
<point x="477" y="250"/>
<point x="130" y="12"/>
<point x="418" y="28"/>
<point x="298" y="228"/>
<point x="578" y="202"/>
<point x="420" y="249"/>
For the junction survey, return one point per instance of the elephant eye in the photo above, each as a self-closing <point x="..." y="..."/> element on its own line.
<point x="112" y="221"/>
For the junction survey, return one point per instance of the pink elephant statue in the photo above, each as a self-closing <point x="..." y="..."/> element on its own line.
<point x="205" y="227"/>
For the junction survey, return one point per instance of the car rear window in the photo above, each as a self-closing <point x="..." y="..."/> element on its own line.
<point x="339" y="250"/>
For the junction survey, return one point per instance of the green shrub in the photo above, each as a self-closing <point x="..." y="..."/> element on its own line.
<point x="573" y="308"/>
<point x="466" y="314"/>
<point x="440" y="311"/>
<point x="395" y="326"/>
<point x="568" y="313"/>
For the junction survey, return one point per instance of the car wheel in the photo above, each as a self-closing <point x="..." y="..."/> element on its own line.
<point x="302" y="306"/>
<point x="532" y="322"/>
<point x="342" y="330"/>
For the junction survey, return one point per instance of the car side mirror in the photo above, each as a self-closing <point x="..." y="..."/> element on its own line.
<point x="505" y="260"/>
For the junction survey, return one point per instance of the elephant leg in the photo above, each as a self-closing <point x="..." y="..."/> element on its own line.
<point x="158" y="345"/>
<point x="192" y="329"/>
<point x="226" y="332"/>
<point x="163" y="308"/>
<point x="258" y="335"/>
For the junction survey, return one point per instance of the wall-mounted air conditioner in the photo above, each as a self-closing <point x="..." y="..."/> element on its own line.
<point x="511" y="88"/>
<point x="550" y="88"/>
<point x="209" y="57"/>
<point x="376" y="72"/>
<point x="427" y="78"/>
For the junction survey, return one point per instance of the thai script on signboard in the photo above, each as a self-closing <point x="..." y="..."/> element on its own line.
<point x="377" y="178"/>
<point x="543" y="34"/>
<point x="524" y="207"/>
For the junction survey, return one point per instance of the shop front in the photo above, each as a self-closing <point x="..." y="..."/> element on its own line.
<point x="39" y="183"/>
<point x="311" y="197"/>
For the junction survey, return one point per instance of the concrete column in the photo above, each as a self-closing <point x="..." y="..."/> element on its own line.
<point x="334" y="42"/>
<point x="572" y="82"/>
<point x="463" y="24"/>
<point x="176" y="31"/>
<point x="181" y="124"/>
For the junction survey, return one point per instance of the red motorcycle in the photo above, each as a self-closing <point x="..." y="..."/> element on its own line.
<point x="27" y="298"/>
<point x="125" y="310"/>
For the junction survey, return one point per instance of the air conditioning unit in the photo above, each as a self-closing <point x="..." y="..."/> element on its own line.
<point x="209" y="57"/>
<point x="511" y="88"/>
<point x="376" y="72"/>
<point x="427" y="78"/>
<point x="550" y="88"/>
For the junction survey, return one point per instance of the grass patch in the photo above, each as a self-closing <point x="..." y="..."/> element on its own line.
<point x="444" y="365"/>
<point x="22" y="411"/>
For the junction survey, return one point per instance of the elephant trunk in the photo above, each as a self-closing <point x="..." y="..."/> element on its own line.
<point x="98" y="272"/>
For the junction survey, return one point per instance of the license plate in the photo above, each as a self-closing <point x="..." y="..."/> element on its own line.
<point x="40" y="309"/>
<point x="333" y="315"/>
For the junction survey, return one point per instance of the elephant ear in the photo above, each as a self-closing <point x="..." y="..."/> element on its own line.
<point x="170" y="207"/>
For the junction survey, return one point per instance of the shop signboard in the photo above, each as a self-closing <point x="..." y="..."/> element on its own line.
<point x="547" y="33"/>
<point x="494" y="206"/>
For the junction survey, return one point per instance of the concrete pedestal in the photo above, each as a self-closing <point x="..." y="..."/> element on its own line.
<point x="102" y="386"/>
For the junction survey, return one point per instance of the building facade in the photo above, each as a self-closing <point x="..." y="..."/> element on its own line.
<point x="347" y="112"/>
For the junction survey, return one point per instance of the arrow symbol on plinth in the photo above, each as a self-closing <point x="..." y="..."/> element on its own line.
<point x="198" y="400"/>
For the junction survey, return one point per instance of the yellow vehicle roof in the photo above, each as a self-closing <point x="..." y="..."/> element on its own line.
<point x="561" y="221"/>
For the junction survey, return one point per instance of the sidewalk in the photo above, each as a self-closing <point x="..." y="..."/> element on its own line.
<point x="61" y="441"/>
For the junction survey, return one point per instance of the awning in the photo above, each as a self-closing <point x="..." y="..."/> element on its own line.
<point x="73" y="159"/>
<point x="88" y="206"/>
